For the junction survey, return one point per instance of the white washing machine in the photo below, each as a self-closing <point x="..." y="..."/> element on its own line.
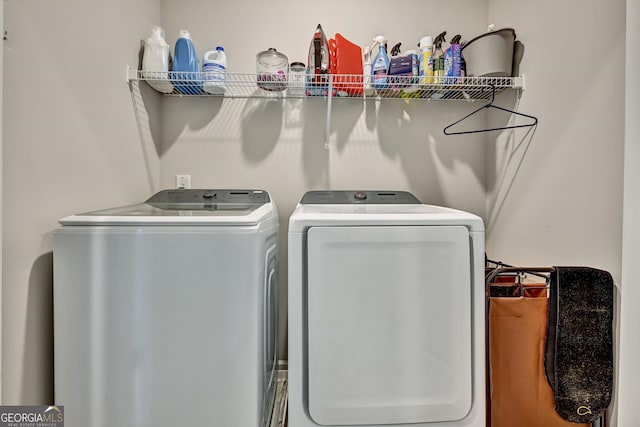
<point x="165" y="312"/>
<point x="386" y="312"/>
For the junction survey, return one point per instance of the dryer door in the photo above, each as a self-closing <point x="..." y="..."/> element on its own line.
<point x="389" y="324"/>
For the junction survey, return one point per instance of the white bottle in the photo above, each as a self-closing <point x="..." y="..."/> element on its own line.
<point x="155" y="61"/>
<point x="214" y="67"/>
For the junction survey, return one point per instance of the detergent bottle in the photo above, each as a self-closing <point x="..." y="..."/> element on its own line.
<point x="155" y="61"/>
<point x="453" y="61"/>
<point x="214" y="67"/>
<point x="186" y="67"/>
<point x="438" y="57"/>
<point x="380" y="65"/>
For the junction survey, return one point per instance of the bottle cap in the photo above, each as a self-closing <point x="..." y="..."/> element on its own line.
<point x="220" y="48"/>
<point x="157" y="32"/>
<point x="426" y="41"/>
<point x="184" y="34"/>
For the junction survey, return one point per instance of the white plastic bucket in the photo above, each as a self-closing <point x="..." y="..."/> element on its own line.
<point x="490" y="54"/>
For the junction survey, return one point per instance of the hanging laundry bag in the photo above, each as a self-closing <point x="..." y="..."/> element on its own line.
<point x="519" y="393"/>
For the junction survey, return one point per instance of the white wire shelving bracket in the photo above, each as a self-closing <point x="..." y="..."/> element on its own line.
<point x="339" y="86"/>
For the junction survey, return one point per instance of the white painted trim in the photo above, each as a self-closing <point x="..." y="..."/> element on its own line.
<point x="629" y="372"/>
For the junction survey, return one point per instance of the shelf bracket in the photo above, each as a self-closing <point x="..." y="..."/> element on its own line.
<point x="132" y="74"/>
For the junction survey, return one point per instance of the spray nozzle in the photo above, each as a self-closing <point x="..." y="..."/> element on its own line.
<point x="439" y="40"/>
<point x="456" y="39"/>
<point x="395" y="50"/>
<point x="380" y="39"/>
<point x="377" y="40"/>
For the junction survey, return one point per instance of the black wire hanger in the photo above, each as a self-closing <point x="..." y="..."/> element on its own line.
<point x="490" y="105"/>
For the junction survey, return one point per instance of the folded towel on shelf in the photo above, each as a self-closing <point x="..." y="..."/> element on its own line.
<point x="579" y="347"/>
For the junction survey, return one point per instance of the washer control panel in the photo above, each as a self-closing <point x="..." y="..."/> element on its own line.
<point x="190" y="196"/>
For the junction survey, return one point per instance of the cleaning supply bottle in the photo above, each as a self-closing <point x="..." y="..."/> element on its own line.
<point x="438" y="57"/>
<point x="425" y="60"/>
<point x="414" y="64"/>
<point x="366" y="70"/>
<point x="367" y="53"/>
<point x="380" y="66"/>
<point x="403" y="68"/>
<point x="155" y="61"/>
<point x="453" y="60"/>
<point x="214" y="67"/>
<point x="186" y="66"/>
<point x="318" y="65"/>
<point x="398" y="66"/>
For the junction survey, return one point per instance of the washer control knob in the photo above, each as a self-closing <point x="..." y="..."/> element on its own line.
<point x="359" y="195"/>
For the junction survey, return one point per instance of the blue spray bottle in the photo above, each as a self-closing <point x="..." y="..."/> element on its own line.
<point x="380" y="65"/>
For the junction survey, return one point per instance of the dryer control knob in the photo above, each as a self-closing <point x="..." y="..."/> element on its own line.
<point x="209" y="195"/>
<point x="360" y="195"/>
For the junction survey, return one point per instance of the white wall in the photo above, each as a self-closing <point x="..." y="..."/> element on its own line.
<point x="565" y="203"/>
<point x="254" y="143"/>
<point x="629" y="386"/>
<point x="70" y="144"/>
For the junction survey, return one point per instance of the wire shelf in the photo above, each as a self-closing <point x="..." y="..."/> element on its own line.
<point x="246" y="85"/>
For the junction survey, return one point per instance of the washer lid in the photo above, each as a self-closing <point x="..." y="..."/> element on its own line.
<point x="185" y="206"/>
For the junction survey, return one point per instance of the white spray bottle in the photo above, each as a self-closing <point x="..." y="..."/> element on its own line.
<point x="367" y="53"/>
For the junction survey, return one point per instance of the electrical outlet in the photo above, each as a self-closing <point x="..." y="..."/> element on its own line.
<point x="183" y="181"/>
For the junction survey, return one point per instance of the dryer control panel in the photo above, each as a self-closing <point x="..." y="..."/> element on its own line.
<point x="359" y="197"/>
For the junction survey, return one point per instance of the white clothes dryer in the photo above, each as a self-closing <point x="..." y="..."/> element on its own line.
<point x="165" y="312"/>
<point x="386" y="312"/>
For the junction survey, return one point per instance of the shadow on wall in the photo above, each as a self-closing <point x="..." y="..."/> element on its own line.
<point x="148" y="116"/>
<point x="264" y="119"/>
<point x="189" y="112"/>
<point x="345" y="115"/>
<point x="37" y="377"/>
<point x="403" y="133"/>
<point x="315" y="159"/>
<point x="151" y="109"/>
<point x="506" y="151"/>
<point x="146" y="106"/>
<point x="261" y="127"/>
